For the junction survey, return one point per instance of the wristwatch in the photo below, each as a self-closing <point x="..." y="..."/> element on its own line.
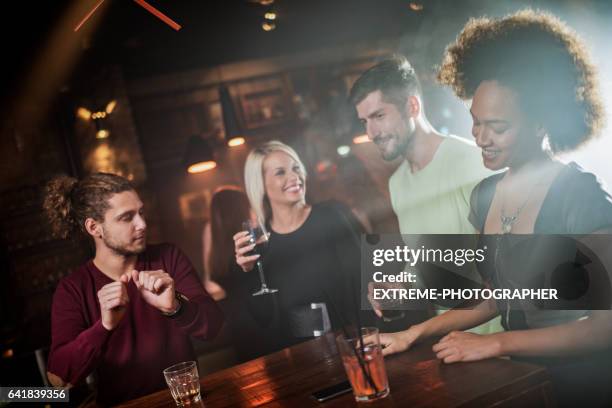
<point x="180" y="298"/>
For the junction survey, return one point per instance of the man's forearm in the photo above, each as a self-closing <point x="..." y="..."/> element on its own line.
<point x="591" y="334"/>
<point x="76" y="359"/>
<point x="458" y="319"/>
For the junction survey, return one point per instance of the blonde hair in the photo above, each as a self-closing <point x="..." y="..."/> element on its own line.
<point x="254" y="180"/>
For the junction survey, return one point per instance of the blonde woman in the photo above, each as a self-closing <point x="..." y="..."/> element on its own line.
<point x="313" y="250"/>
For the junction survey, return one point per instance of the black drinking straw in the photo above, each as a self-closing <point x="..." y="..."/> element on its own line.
<point x="364" y="368"/>
<point x="347" y="336"/>
<point x="362" y="365"/>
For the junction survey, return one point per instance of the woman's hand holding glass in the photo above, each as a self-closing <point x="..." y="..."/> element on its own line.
<point x="257" y="242"/>
<point x="243" y="245"/>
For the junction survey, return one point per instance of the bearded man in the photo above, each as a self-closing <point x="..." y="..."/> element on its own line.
<point x="129" y="312"/>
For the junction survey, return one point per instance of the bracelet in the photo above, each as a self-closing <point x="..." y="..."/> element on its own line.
<point x="180" y="298"/>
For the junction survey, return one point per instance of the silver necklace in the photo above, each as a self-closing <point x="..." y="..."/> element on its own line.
<point x="508" y="221"/>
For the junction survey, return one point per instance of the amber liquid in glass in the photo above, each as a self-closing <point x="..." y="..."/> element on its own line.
<point x="189" y="399"/>
<point x="186" y="391"/>
<point x="374" y="365"/>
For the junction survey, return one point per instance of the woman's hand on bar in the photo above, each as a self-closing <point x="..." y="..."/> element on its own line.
<point x="463" y="346"/>
<point x="243" y="245"/>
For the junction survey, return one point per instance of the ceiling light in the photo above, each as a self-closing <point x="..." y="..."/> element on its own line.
<point x="84" y="114"/>
<point x="235" y="141"/>
<point x="416" y="6"/>
<point x="343" y="150"/>
<point x="102" y="134"/>
<point x="231" y="126"/>
<point x="361" y="139"/>
<point x="110" y="107"/>
<point x="199" y="155"/>
<point x="268" y="26"/>
<point x="201" y="167"/>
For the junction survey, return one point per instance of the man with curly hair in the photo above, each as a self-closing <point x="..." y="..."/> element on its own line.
<point x="128" y="313"/>
<point x="534" y="94"/>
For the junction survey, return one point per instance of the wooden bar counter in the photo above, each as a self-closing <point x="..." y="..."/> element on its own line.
<point x="416" y="378"/>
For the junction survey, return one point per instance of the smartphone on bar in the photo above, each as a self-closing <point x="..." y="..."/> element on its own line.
<point x="332" y="392"/>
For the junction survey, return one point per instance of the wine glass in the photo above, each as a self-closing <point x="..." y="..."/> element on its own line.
<point x="259" y="237"/>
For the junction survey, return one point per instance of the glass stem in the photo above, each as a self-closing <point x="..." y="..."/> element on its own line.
<point x="261" y="274"/>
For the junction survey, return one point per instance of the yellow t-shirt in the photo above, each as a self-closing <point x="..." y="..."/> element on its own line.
<point x="436" y="199"/>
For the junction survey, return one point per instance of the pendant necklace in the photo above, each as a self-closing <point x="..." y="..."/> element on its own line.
<point x="507" y="221"/>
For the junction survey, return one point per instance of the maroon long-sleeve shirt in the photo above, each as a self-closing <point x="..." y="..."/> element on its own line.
<point x="129" y="359"/>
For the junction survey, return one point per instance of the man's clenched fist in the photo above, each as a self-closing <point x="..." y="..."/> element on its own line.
<point x="157" y="289"/>
<point x="113" y="299"/>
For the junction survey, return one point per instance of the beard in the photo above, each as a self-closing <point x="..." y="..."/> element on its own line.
<point x="398" y="146"/>
<point x="399" y="141"/>
<point x="122" y="248"/>
<point x="398" y="150"/>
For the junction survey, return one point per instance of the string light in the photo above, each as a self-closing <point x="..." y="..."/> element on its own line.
<point x="268" y="26"/>
<point x="269" y="23"/>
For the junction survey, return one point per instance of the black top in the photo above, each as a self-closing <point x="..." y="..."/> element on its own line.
<point x="576" y="203"/>
<point x="314" y="262"/>
<point x="317" y="263"/>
